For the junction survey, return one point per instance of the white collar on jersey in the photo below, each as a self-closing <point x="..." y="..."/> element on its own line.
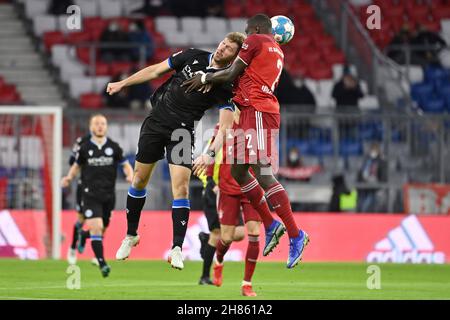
<point x="211" y="55"/>
<point x="99" y="146"/>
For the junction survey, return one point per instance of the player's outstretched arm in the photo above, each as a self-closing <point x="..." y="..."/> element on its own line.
<point x="128" y="171"/>
<point x="224" y="76"/>
<point x="226" y="119"/>
<point x="73" y="172"/>
<point x="147" y="74"/>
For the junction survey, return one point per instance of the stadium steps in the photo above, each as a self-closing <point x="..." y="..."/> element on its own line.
<point x="21" y="65"/>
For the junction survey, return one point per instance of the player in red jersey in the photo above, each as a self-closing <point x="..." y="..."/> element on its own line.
<point x="259" y="65"/>
<point x="230" y="202"/>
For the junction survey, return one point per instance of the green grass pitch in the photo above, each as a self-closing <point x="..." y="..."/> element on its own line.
<point x="156" y="280"/>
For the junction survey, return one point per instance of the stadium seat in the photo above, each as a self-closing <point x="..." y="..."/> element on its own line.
<point x="334" y="56"/>
<point x="80" y="85"/>
<point x="79" y="37"/>
<point x="191" y="25"/>
<point x="421" y="91"/>
<point x="120" y="67"/>
<point x="234" y="10"/>
<point x="350" y="148"/>
<point x="44" y="23"/>
<point x="238" y="24"/>
<point x="321" y="71"/>
<point x="177" y="39"/>
<point x="441" y="12"/>
<point x="51" y="38"/>
<point x="94" y="23"/>
<point x="83" y="54"/>
<point x="9" y="94"/>
<point x="102" y="69"/>
<point x="369" y="103"/>
<point x="433" y="105"/>
<point x="91" y="101"/>
<point x="110" y="8"/>
<point x="216" y="25"/>
<point x="35" y="8"/>
<point x="166" y="25"/>
<point x="89" y="7"/>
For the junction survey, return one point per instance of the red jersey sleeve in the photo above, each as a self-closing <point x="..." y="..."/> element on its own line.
<point x="250" y="48"/>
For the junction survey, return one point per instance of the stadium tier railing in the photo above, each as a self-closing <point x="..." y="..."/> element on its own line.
<point x="415" y="147"/>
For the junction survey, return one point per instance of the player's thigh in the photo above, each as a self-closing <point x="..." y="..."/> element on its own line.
<point x="93" y="212"/>
<point x="152" y="142"/>
<point x="180" y="177"/>
<point x="228" y="207"/>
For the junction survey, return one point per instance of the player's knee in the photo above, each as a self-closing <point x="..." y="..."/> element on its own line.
<point x="227" y="239"/>
<point x="239" y="234"/>
<point x="138" y="182"/>
<point x="214" y="237"/>
<point x="181" y="191"/>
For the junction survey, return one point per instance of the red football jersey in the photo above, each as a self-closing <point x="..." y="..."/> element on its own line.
<point x="264" y="59"/>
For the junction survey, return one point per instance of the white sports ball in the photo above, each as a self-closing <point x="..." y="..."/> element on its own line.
<point x="282" y="29"/>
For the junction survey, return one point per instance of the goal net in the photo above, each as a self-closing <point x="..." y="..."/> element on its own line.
<point x="30" y="169"/>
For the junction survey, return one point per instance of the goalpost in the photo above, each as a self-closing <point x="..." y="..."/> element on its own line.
<point x="31" y="153"/>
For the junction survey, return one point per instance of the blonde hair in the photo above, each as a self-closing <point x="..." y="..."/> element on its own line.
<point x="236" y="37"/>
<point x="95" y="115"/>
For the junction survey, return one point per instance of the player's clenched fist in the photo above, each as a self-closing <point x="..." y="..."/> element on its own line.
<point x="114" y="87"/>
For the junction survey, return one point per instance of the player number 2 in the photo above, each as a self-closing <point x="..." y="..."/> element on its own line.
<point x="249" y="143"/>
<point x="280" y="69"/>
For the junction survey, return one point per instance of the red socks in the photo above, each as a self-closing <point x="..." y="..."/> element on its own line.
<point x="255" y="195"/>
<point x="251" y="257"/>
<point x="221" y="250"/>
<point x="279" y="200"/>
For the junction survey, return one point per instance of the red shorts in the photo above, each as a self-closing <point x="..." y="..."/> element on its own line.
<point x="229" y="209"/>
<point x="256" y="137"/>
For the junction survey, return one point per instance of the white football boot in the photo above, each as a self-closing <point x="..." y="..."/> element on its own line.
<point x="176" y="258"/>
<point x="125" y="248"/>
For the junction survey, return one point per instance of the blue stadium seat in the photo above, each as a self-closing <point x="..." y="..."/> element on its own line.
<point x="350" y="148"/>
<point x="303" y="145"/>
<point x="436" y="74"/>
<point x="434" y="105"/>
<point x="322" y="148"/>
<point x="421" y="91"/>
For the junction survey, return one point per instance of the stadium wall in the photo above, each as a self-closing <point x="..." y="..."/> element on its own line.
<point x="374" y="238"/>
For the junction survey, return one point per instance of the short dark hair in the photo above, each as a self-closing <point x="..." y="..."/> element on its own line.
<point x="260" y="20"/>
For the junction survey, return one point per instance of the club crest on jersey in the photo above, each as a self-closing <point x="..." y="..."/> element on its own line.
<point x="109" y="151"/>
<point x="90" y="152"/>
<point x="88" y="213"/>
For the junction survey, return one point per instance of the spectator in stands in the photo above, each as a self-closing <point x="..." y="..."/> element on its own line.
<point x="139" y="94"/>
<point x="137" y="34"/>
<point x="288" y="93"/>
<point x="339" y="188"/>
<point x="295" y="170"/>
<point x="114" y="34"/>
<point x="432" y="44"/>
<point x="121" y="99"/>
<point x="152" y="8"/>
<point x="372" y="172"/>
<point x="215" y="8"/>
<point x="399" y="47"/>
<point x="346" y="92"/>
<point x="59" y="7"/>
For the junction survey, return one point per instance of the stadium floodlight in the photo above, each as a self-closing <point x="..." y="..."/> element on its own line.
<point x="32" y="140"/>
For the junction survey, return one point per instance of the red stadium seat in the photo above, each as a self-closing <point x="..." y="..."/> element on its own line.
<point x="123" y="22"/>
<point x="79" y="37"/>
<point x="102" y="69"/>
<point x="158" y="39"/>
<point x="441" y="12"/>
<point x="2" y="82"/>
<point x="8" y="94"/>
<point x="320" y="71"/>
<point x="334" y="56"/>
<point x="300" y="42"/>
<point x="434" y="26"/>
<point x="256" y="8"/>
<point x="324" y="41"/>
<point x="53" y="37"/>
<point x="91" y="101"/>
<point x="83" y="54"/>
<point x="301" y="9"/>
<point x="94" y="23"/>
<point x="149" y="24"/>
<point x="120" y="67"/>
<point x="234" y="11"/>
